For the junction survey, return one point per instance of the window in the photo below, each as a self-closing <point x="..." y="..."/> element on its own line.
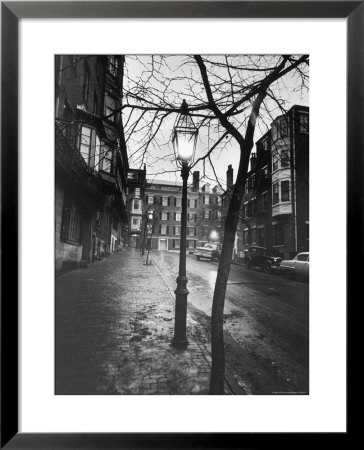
<point x="245" y="210"/>
<point x="136" y="205"/>
<point x="304" y="123"/>
<point x="206" y="199"/>
<point x="196" y="203"/>
<point x="177" y="202"/>
<point x="219" y="214"/>
<point x="165" y="201"/>
<point x="106" y="160"/>
<point x="285" y="158"/>
<point x="176" y="243"/>
<point x="112" y="65"/>
<point x="135" y="225"/>
<point x="275" y="161"/>
<point x="275" y="198"/>
<point x="97" y="154"/>
<point x="177" y="231"/>
<point x="254" y="235"/>
<point x="218" y="201"/>
<point x="95" y="107"/>
<point x="254" y="206"/>
<point x="278" y="234"/>
<point x="71" y="222"/>
<point x="247" y="186"/>
<point x="246" y="239"/>
<point x="85" y="143"/>
<point x="251" y="182"/>
<point x="163" y="229"/>
<point x="110" y="107"/>
<point x="206" y="214"/>
<point x="261" y="237"/>
<point x="265" y="201"/>
<point x="137" y="192"/>
<point x="177" y="217"/>
<point x="190" y="243"/>
<point x="249" y="209"/>
<point x="191" y="231"/>
<point x="86" y="83"/>
<point x="285" y="191"/>
<point x="265" y="144"/>
<point x="150" y="200"/>
<point x="283" y="128"/>
<point x="165" y="215"/>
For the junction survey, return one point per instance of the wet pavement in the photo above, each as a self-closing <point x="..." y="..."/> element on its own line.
<point x="114" y="325"/>
<point x="266" y="323"/>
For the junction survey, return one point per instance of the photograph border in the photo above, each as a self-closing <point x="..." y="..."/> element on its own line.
<point x="11" y="12"/>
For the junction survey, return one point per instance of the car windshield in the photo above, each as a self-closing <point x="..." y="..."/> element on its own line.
<point x="302" y="257"/>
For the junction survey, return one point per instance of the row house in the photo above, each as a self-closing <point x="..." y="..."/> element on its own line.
<point x="164" y="198"/>
<point x="275" y="206"/>
<point x="90" y="159"/>
<point x="136" y="206"/>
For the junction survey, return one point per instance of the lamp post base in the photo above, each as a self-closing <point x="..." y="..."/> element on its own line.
<point x="180" y="339"/>
<point x="180" y="344"/>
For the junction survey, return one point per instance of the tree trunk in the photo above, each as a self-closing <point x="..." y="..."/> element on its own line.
<point x="217" y="316"/>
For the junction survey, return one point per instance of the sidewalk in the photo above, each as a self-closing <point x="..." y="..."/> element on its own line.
<point x="114" y="326"/>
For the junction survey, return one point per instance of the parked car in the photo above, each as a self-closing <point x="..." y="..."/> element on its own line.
<point x="209" y="251"/>
<point x="298" y="267"/>
<point x="267" y="260"/>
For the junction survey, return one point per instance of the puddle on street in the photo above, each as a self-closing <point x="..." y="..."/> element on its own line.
<point x="212" y="278"/>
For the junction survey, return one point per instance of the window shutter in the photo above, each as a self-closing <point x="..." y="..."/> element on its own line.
<point x="154" y="200"/>
<point x="188" y="203"/>
<point x="161" y="215"/>
<point x="160" y="229"/>
<point x="167" y="232"/>
<point x="174" y="216"/>
<point x="175" y="201"/>
<point x="194" y="231"/>
<point x="169" y="201"/>
<point x="161" y="201"/>
<point x="174" y="231"/>
<point x="167" y="215"/>
<point x="174" y="243"/>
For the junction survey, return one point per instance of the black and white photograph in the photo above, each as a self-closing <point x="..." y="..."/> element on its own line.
<point x="181" y="235"/>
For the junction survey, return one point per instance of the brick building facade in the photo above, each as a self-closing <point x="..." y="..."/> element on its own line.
<point x="275" y="206"/>
<point x="203" y="213"/>
<point x="136" y="206"/>
<point x="91" y="159"/>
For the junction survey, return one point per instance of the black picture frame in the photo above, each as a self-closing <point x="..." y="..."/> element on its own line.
<point x="11" y="12"/>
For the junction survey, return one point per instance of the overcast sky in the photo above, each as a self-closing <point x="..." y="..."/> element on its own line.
<point x="186" y="85"/>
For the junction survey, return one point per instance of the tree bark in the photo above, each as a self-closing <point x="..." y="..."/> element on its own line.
<point x="217" y="316"/>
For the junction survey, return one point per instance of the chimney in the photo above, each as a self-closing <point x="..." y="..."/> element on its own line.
<point x="196" y="181"/>
<point x="253" y="161"/>
<point x="229" y="177"/>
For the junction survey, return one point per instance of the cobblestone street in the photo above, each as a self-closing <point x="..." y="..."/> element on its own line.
<point x="114" y="325"/>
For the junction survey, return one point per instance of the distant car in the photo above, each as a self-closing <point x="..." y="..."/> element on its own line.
<point x="298" y="267"/>
<point x="208" y="251"/>
<point x="263" y="258"/>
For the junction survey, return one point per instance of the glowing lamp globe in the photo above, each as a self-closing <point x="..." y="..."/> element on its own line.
<point x="184" y="136"/>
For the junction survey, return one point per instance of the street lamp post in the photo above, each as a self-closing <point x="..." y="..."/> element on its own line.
<point x="150" y="225"/>
<point x="184" y="139"/>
